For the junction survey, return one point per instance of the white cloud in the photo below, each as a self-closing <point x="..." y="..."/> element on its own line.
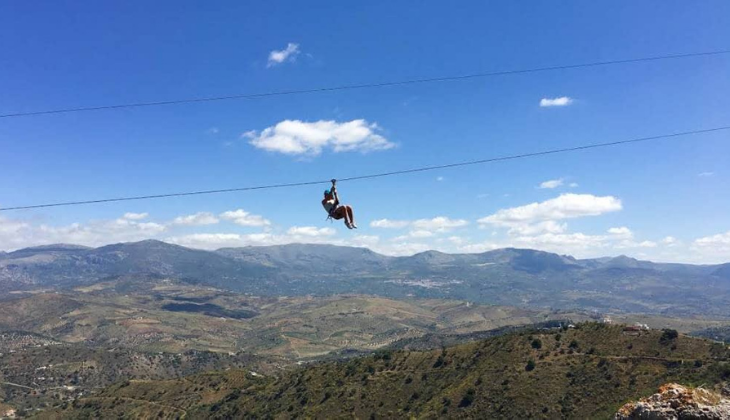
<point x="553" y="183"/>
<point x="420" y="234"/>
<point x="573" y="185"/>
<point x="547" y="226"/>
<point x="135" y="216"/>
<point x="294" y="137"/>
<point x="561" y="101"/>
<point x="310" y="231"/>
<point x="671" y="241"/>
<point x="622" y="232"/>
<point x="456" y="240"/>
<point x="244" y="218"/>
<point x="10" y="228"/>
<point x="562" y="242"/>
<point x="212" y="130"/>
<point x="287" y="54"/>
<point x="705" y="174"/>
<point x="389" y="224"/>
<point x="197" y="219"/>
<point x="717" y="244"/>
<point x="403" y="248"/>
<point x="439" y="224"/>
<point x="566" y="206"/>
<point x="296" y="234"/>
<point x="439" y="178"/>
<point x="211" y="240"/>
<point x="421" y="228"/>
<point x="16" y="234"/>
<point x="479" y="247"/>
<point x="365" y="240"/>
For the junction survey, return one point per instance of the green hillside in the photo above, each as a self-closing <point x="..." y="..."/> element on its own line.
<point x="587" y="372"/>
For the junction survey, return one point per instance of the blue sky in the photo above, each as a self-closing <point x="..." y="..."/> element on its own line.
<point x="665" y="201"/>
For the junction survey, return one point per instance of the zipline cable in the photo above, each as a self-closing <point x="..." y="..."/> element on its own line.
<point x="362" y="86"/>
<point x="379" y="175"/>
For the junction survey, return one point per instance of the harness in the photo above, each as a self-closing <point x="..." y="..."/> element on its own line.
<point x="335" y="206"/>
<point x="331" y="212"/>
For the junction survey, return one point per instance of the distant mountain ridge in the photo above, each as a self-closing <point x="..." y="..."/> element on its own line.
<point x="507" y="276"/>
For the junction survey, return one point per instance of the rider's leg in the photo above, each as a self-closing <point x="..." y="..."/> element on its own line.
<point x="341" y="213"/>
<point x="351" y="216"/>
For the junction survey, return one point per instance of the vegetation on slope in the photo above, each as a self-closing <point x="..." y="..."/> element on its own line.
<point x="586" y="372"/>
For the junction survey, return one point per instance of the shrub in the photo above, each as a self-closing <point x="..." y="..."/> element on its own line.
<point x="468" y="398"/>
<point x="668" y="335"/>
<point x="439" y="361"/>
<point x="530" y="365"/>
<point x="536" y="344"/>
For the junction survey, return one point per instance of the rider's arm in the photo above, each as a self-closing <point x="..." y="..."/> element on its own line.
<point x="334" y="194"/>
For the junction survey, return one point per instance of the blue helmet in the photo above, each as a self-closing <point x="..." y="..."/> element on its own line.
<point x="326" y="192"/>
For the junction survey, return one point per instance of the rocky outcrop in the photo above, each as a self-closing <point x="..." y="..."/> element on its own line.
<point x="678" y="402"/>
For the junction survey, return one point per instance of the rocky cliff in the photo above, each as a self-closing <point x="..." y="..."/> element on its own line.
<point x="674" y="401"/>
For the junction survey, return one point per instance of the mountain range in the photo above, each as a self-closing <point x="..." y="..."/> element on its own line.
<point x="508" y="276"/>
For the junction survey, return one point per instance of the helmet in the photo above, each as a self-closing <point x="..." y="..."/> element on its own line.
<point x="326" y="192"/>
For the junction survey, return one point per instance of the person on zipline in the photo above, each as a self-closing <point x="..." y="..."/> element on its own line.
<point x="331" y="204"/>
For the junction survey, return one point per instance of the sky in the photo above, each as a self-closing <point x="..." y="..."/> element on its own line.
<point x="663" y="201"/>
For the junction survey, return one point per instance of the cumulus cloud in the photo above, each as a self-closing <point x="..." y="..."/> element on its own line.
<point x="562" y="242"/>
<point x="197" y="219"/>
<point x="294" y="137"/>
<point x="135" y="216"/>
<point x="287" y="54"/>
<point x="16" y="234"/>
<point x="566" y="206"/>
<point x="296" y="234"/>
<point x="244" y="218"/>
<point x="553" y="183"/>
<point x="310" y="231"/>
<point x="560" y="101"/>
<point x="670" y="241"/>
<point x="622" y="232"/>
<point x="438" y="224"/>
<point x="421" y="228"/>
<point x="404" y="247"/>
<point x="420" y="233"/>
<point x="573" y="185"/>
<point x="211" y="240"/>
<point x="547" y="226"/>
<point x="717" y="243"/>
<point x="389" y="224"/>
<point x="365" y="240"/>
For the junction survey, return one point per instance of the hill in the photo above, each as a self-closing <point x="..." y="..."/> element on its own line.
<point x="152" y="314"/>
<point x="512" y="277"/>
<point x="587" y="372"/>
